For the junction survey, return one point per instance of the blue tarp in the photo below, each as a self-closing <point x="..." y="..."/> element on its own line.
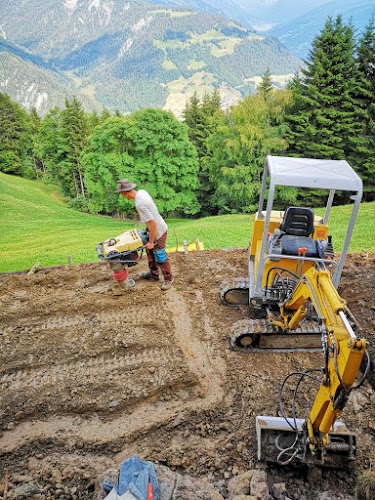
<point x="135" y="474"/>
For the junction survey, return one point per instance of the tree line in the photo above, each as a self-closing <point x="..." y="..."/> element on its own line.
<point x="211" y="162"/>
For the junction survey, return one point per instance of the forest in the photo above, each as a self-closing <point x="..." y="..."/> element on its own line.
<point x="210" y="162"/>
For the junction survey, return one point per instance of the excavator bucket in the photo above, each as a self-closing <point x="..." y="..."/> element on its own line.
<point x="278" y="442"/>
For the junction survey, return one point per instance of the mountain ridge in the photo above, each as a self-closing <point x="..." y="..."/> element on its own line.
<point x="138" y="54"/>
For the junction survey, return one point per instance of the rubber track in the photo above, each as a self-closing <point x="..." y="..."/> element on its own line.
<point x="309" y="333"/>
<point x="233" y="284"/>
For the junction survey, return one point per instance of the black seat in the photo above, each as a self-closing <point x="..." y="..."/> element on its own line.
<point x="296" y="229"/>
<point x="298" y="221"/>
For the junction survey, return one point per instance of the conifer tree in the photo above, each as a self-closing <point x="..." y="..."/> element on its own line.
<point x="363" y="155"/>
<point x="75" y="130"/>
<point x="194" y="119"/>
<point x="49" y="147"/>
<point x="201" y="121"/>
<point x="325" y="112"/>
<point x="35" y="124"/>
<point x="14" y="136"/>
<point x="266" y="85"/>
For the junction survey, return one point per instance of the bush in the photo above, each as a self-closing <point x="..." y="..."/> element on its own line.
<point x="79" y="203"/>
<point x="365" y="485"/>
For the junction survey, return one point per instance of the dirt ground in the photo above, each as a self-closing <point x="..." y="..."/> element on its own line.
<point x="90" y="378"/>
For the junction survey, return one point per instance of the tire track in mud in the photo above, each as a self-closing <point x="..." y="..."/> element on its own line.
<point x="147" y="415"/>
<point x="74" y="373"/>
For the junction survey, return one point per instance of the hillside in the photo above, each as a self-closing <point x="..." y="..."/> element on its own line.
<point x="38" y="227"/>
<point x="138" y="55"/>
<point x="298" y="33"/>
<point x="27" y="80"/>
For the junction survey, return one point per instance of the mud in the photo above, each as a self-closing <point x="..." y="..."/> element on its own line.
<point x="90" y="378"/>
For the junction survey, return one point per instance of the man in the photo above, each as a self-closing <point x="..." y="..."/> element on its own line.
<point x="155" y="248"/>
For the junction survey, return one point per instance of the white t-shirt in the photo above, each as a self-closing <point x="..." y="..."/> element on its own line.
<point x="147" y="211"/>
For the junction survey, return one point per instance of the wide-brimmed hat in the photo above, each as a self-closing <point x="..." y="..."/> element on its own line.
<point x="124" y="185"/>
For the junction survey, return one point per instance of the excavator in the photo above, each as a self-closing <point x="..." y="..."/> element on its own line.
<point x="291" y="294"/>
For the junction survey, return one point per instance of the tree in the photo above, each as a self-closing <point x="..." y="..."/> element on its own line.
<point x="75" y="130"/>
<point x="201" y="120"/>
<point x="363" y="156"/>
<point x="35" y="124"/>
<point x="14" y="136"/>
<point x="49" y="147"/>
<point x="152" y="149"/>
<point x="266" y="85"/>
<point x="238" y="148"/>
<point x="325" y="112"/>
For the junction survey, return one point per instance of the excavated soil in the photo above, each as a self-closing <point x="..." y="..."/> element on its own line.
<point x="90" y="378"/>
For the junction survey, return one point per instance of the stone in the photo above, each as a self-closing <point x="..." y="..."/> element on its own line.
<point x="240" y="485"/>
<point x="56" y="476"/>
<point x="258" y="485"/>
<point x="25" y="491"/>
<point x="244" y="497"/>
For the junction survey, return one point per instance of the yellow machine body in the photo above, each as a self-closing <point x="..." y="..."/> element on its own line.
<point x="320" y="232"/>
<point x="130" y="240"/>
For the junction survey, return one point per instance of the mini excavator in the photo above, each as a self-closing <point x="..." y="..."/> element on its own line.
<point x="291" y="292"/>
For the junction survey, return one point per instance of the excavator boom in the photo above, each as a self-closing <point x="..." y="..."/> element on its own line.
<point x="319" y="438"/>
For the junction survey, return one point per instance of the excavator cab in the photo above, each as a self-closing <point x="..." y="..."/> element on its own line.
<point x="291" y="293"/>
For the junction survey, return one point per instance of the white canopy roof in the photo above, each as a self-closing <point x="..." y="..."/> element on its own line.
<point x="312" y="173"/>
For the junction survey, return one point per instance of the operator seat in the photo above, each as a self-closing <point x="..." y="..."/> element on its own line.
<point x="296" y="232"/>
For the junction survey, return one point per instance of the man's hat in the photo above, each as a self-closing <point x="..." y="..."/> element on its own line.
<point x="124" y="185"/>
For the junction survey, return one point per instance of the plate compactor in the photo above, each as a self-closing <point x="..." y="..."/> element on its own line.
<point x="121" y="252"/>
<point x="293" y="304"/>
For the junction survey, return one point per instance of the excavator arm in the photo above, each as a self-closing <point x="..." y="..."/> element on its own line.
<point x="343" y="353"/>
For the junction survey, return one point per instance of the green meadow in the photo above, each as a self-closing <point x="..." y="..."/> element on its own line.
<point x="37" y="226"/>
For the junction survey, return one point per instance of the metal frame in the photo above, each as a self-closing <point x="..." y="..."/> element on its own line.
<point x="307" y="173"/>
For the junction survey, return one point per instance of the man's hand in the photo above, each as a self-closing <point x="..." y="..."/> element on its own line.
<point x="150" y="245"/>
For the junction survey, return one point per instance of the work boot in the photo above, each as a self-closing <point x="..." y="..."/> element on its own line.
<point x="127" y="284"/>
<point x="146" y="275"/>
<point x="167" y="285"/>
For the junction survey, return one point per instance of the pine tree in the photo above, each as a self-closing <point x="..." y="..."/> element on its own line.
<point x="325" y="112"/>
<point x="200" y="118"/>
<point x="14" y="136"/>
<point x="49" y="147"/>
<point x="105" y="114"/>
<point x="194" y="119"/>
<point x="266" y="85"/>
<point x="363" y="156"/>
<point x="75" y="130"/>
<point x="35" y="124"/>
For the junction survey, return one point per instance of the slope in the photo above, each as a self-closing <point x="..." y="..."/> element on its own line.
<point x="28" y="80"/>
<point x="37" y="226"/>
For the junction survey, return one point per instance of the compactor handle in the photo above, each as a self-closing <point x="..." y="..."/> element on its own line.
<point x="99" y="251"/>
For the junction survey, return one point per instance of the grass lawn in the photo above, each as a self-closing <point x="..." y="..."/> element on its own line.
<point x="36" y="226"/>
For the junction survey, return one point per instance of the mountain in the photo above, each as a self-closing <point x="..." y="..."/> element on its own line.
<point x="298" y="34"/>
<point x="128" y="56"/>
<point x="227" y="8"/>
<point x="28" y="81"/>
<point x="275" y="12"/>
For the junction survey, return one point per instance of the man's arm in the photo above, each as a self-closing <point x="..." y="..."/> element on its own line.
<point x="152" y="225"/>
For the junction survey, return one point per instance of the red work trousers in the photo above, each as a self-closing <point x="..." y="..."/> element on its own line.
<point x="164" y="266"/>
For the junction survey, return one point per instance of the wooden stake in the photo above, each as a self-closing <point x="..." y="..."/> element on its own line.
<point x="34" y="268"/>
<point x="175" y="235"/>
<point x="5" y="496"/>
